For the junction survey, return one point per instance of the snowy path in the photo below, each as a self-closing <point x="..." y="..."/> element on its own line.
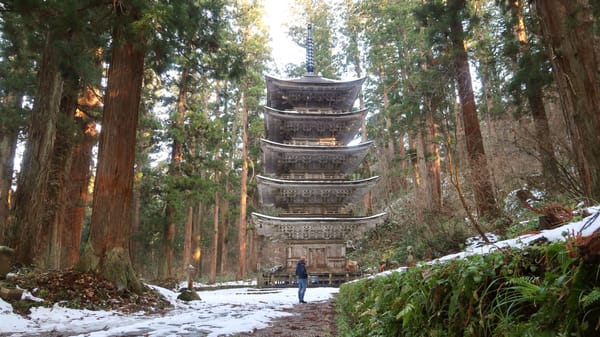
<point x="219" y="313"/>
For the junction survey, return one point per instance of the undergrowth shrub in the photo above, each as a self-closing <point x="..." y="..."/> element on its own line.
<point x="537" y="291"/>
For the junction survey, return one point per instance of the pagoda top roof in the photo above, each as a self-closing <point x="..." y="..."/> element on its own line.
<point x="312" y="91"/>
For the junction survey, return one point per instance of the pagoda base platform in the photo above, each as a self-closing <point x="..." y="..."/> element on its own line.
<point x="288" y="280"/>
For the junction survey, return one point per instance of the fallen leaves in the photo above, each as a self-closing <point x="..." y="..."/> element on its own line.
<point x="78" y="290"/>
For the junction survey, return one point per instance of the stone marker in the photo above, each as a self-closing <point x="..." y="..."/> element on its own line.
<point x="6" y="254"/>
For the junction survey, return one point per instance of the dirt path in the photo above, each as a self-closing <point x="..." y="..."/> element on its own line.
<point x="313" y="319"/>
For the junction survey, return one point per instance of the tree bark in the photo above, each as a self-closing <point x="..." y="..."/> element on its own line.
<point x="107" y="250"/>
<point x="32" y="229"/>
<point x="568" y="30"/>
<point x="480" y="176"/>
<point x="59" y="180"/>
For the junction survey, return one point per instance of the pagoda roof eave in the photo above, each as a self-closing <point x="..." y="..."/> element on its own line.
<point x="317" y="183"/>
<point x="282" y="125"/>
<point x="325" y="228"/>
<point x="323" y="114"/>
<point x="282" y="158"/>
<point x="286" y="192"/>
<point x="267" y="218"/>
<point x="332" y="148"/>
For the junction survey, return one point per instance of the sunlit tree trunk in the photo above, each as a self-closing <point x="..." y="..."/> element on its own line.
<point x="8" y="149"/>
<point x="187" y="239"/>
<point x="241" y="274"/>
<point x="107" y="250"/>
<point x="78" y="184"/>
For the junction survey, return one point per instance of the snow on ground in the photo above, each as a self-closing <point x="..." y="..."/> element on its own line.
<point x="220" y="312"/>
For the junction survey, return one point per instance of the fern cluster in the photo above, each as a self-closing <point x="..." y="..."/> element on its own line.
<point x="539" y="291"/>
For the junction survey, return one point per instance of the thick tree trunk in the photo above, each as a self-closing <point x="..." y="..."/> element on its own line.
<point x="480" y="176"/>
<point x="568" y="30"/>
<point x="32" y="229"/>
<point x="107" y="250"/>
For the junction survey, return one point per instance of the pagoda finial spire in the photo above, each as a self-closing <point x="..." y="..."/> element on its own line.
<point x="310" y="59"/>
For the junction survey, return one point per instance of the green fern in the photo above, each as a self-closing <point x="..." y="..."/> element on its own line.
<point x="590" y="298"/>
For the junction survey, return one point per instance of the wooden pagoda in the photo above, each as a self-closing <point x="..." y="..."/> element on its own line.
<point x="308" y="163"/>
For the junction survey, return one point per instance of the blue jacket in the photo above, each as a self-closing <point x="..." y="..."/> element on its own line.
<point x="301" y="270"/>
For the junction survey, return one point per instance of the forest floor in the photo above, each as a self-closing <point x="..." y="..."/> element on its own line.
<point x="88" y="291"/>
<point x="313" y="319"/>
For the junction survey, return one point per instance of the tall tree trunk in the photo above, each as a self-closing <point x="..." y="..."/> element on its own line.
<point x="107" y="250"/>
<point x="171" y="214"/>
<point x="368" y="198"/>
<point x="223" y="232"/>
<point x="434" y="169"/>
<point x="545" y="144"/>
<point x="77" y="188"/>
<point x="32" y="230"/>
<point x="403" y="161"/>
<point x="188" y="238"/>
<point x="417" y="187"/>
<point x="241" y="274"/>
<point x="214" y="251"/>
<point x="59" y="179"/>
<point x="568" y="30"/>
<point x="135" y="244"/>
<point x="8" y="150"/>
<point x="480" y="176"/>
<point x="199" y="219"/>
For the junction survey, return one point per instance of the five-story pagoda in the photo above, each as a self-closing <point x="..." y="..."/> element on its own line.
<point x="308" y="163"/>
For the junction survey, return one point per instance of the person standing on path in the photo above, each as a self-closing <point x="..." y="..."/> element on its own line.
<point x="302" y="276"/>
